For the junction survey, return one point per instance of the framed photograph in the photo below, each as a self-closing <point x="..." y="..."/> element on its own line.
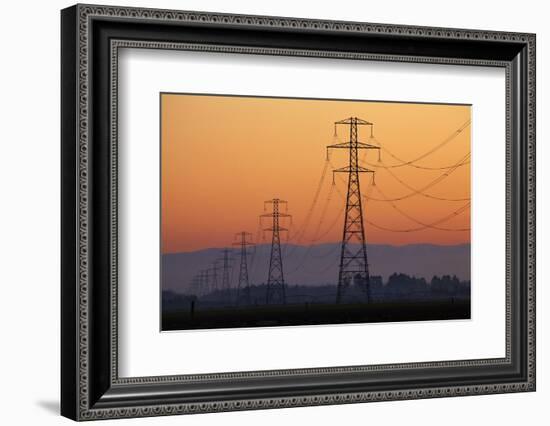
<point x="263" y="212"/>
<point x="277" y="271"/>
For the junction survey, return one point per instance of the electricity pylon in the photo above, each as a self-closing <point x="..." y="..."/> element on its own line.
<point x="226" y="276"/>
<point x="194" y="287"/>
<point x="275" y="282"/>
<point x="243" y="288"/>
<point x="215" y="268"/>
<point x="204" y="281"/>
<point x="354" y="267"/>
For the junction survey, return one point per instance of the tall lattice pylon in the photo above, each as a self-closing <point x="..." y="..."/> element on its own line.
<point x="354" y="266"/>
<point x="275" y="292"/>
<point x="243" y="287"/>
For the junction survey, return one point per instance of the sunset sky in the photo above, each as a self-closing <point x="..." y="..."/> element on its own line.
<point x="223" y="156"/>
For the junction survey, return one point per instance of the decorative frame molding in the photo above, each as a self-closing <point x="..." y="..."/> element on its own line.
<point x="91" y="37"/>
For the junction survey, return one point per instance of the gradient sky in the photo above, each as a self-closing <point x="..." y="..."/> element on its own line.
<point x="223" y="156"/>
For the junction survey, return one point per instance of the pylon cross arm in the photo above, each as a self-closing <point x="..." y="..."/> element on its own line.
<point x="354" y="120"/>
<point x="363" y="145"/>
<point x="345" y="145"/>
<point x="348" y="145"/>
<point x="358" y="169"/>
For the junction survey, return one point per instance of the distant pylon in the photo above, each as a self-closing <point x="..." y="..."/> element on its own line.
<point x="354" y="266"/>
<point x="243" y="288"/>
<point x="275" y="282"/>
<point x="205" y="285"/>
<point x="195" y="285"/>
<point x="226" y="276"/>
<point x="214" y="283"/>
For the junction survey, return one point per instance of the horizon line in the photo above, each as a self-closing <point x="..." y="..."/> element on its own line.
<point x="319" y="244"/>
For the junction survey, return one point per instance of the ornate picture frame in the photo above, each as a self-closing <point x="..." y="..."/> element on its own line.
<point x="91" y="38"/>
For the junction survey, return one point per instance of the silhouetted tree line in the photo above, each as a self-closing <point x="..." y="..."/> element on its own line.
<point x="398" y="287"/>
<point x="404" y="285"/>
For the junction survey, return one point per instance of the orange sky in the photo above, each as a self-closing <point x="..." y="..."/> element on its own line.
<point x="223" y="156"/>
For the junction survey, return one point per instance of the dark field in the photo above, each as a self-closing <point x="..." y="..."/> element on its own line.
<point x="310" y="314"/>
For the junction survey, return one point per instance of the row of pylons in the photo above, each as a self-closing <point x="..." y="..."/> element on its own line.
<point x="353" y="267"/>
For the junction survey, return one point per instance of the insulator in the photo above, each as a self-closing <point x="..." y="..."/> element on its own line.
<point x="379" y="155"/>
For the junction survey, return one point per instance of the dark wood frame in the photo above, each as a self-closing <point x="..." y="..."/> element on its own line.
<point x="90" y="386"/>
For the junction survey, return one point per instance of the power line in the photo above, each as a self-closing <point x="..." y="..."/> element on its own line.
<point x="301" y="232"/>
<point x="323" y="214"/>
<point x="331" y="251"/>
<point x="421" y="228"/>
<point x="433" y="224"/>
<point x="434" y="182"/>
<point x="416" y="191"/>
<point x="333" y="223"/>
<point x="259" y="240"/>
<point x="424" y="226"/>
<point x="411" y="162"/>
<point x="426" y="154"/>
<point x="315" y="238"/>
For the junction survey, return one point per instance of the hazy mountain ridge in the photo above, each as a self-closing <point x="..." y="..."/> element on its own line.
<point x="318" y="264"/>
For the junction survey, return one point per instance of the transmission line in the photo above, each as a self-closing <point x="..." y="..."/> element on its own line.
<point x="424" y="226"/>
<point x="426" y="154"/>
<point x="341" y="211"/>
<point x="421" y="192"/>
<point x="328" y="253"/>
<point x="301" y="232"/>
<point x="420" y="228"/>
<point x="258" y="238"/>
<point x="332" y="224"/>
<point x="434" y="182"/>
<point x="329" y="265"/>
<point x="323" y="214"/>
<point x="316" y="237"/>
<point x="431" y="225"/>
<point x="369" y="197"/>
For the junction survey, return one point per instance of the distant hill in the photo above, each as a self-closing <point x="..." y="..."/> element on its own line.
<point x="318" y="264"/>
